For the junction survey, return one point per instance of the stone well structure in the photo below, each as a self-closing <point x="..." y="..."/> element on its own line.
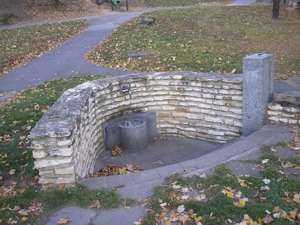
<point x="206" y="106"/>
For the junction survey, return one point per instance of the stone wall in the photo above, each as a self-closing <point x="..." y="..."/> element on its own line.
<point x="68" y="139"/>
<point x="283" y="114"/>
<point x="213" y="107"/>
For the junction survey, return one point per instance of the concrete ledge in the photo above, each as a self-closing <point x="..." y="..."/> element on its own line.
<point x="143" y="182"/>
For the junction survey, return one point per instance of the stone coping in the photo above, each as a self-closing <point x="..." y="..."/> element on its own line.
<point x="61" y="118"/>
<point x="207" y="106"/>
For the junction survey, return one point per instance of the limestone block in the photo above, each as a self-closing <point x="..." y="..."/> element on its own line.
<point x="37" y="154"/>
<point x="65" y="170"/>
<point x="42" y="163"/>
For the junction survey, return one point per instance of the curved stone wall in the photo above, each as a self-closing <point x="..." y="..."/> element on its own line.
<point x="284" y="114"/>
<point x="211" y="107"/>
<point x="69" y="137"/>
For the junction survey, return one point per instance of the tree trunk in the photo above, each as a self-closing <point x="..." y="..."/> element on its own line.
<point x="276" y="7"/>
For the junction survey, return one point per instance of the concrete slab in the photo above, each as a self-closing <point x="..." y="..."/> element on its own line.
<point x="286" y="153"/>
<point x="76" y="215"/>
<point x="166" y="151"/>
<point x="122" y="216"/>
<point x="140" y="185"/>
<point x="240" y="168"/>
<point x="139" y="191"/>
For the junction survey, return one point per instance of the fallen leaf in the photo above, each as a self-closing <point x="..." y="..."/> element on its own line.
<point x="110" y="170"/>
<point x="23" y="212"/>
<point x="264" y="161"/>
<point x="63" y="221"/>
<point x="96" y="205"/>
<point x="242" y="182"/>
<point x="296" y="198"/>
<point x="12" y="172"/>
<point x="267" y="219"/>
<point x="116" y="151"/>
<point x="292" y="215"/>
<point x="241" y="203"/>
<point x="180" y="209"/>
<point x="266" y="181"/>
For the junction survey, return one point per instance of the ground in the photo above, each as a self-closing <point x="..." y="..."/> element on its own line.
<point x="271" y="197"/>
<point x="22" y="201"/>
<point x="18" y="187"/>
<point x="203" y="39"/>
<point x="19" y="46"/>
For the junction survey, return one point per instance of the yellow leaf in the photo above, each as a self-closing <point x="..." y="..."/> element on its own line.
<point x="241" y="203"/>
<point x="63" y="221"/>
<point x="229" y="194"/>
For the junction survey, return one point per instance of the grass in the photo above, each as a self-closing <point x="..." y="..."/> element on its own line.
<point x="24" y="208"/>
<point x="6" y="19"/>
<point x="19" y="46"/>
<point x="204" y="39"/>
<point x="168" y="3"/>
<point x="19" y="116"/>
<point x="218" y="209"/>
<point x="17" y="175"/>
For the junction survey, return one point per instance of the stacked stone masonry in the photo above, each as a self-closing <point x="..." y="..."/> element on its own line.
<point x="68" y="139"/>
<point x="284" y="114"/>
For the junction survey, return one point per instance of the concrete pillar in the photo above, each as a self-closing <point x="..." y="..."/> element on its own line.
<point x="257" y="90"/>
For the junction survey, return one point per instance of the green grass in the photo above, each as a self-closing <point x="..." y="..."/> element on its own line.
<point x="219" y="208"/>
<point x="6" y="19"/>
<point x="52" y="200"/>
<point x="19" y="116"/>
<point x="204" y="39"/>
<point x="16" y="120"/>
<point x="19" y="46"/>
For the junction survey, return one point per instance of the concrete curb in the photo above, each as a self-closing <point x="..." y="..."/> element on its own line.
<point x="140" y="185"/>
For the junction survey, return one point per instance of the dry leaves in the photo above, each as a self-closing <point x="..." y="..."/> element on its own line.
<point x="180" y="193"/>
<point x="116" y="151"/>
<point x="96" y="204"/>
<point x="63" y="221"/>
<point x="176" y="216"/>
<point x="239" y="200"/>
<point x="296" y="198"/>
<point x="111" y="170"/>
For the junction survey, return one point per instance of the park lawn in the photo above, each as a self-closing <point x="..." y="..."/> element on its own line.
<point x="19" y="46"/>
<point x="18" y="178"/>
<point x="222" y="198"/>
<point x="203" y="39"/>
<point x="34" y="205"/>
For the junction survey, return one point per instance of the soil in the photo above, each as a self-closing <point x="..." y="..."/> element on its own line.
<point x="24" y="12"/>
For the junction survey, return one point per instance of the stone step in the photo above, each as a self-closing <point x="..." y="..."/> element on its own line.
<point x="140" y="185"/>
<point x="82" y="216"/>
<point x="290" y="98"/>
